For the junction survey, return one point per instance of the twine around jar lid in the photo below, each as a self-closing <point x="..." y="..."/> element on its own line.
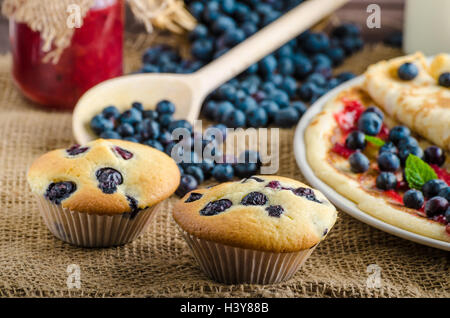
<point x="50" y="18"/>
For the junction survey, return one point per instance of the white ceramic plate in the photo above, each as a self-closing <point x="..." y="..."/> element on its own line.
<point x="340" y="201"/>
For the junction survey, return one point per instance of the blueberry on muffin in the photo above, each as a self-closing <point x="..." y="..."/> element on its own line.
<point x="269" y="222"/>
<point x="107" y="184"/>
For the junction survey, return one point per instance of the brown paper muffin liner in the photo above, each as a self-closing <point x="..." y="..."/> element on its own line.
<point x="94" y="230"/>
<point x="235" y="265"/>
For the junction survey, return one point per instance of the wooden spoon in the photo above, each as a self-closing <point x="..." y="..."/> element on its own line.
<point x="187" y="91"/>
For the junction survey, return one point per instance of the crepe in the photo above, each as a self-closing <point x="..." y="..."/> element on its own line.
<point x="421" y="104"/>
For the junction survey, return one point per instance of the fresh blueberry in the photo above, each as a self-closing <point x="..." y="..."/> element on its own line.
<point x="181" y="123"/>
<point x="257" y="118"/>
<point x="223" y="172"/>
<point x="154" y="144"/>
<point x="131" y="116"/>
<point x="226" y="91"/>
<point x="196" y="172"/>
<point x="386" y="181"/>
<point x="150" y="114"/>
<point x="358" y="162"/>
<point x="316" y="78"/>
<point x="316" y="42"/>
<point x="235" y="119"/>
<point x="199" y="32"/>
<point x="207" y="166"/>
<point x="209" y="109"/>
<point x="222" y="24"/>
<point x="434" y="155"/>
<point x="300" y="107"/>
<point x="111" y="112"/>
<point x="221" y="128"/>
<point x="150" y="68"/>
<point x="233" y="37"/>
<point x="211" y="11"/>
<point x="307" y="91"/>
<point x="228" y="6"/>
<point x="187" y="184"/>
<point x="444" y="79"/>
<point x="406" y="150"/>
<point x="388" y="147"/>
<point x="407" y="71"/>
<point x="289" y="85"/>
<point x="222" y="110"/>
<point x="202" y="49"/>
<point x="165" y="120"/>
<point x="433" y="187"/>
<point x="165" y="107"/>
<point x="196" y="9"/>
<point x="268" y="64"/>
<point x="275" y="210"/>
<point x="216" y="207"/>
<point x="286" y="117"/>
<point x="286" y="66"/>
<point x="132" y="139"/>
<point x="356" y="140"/>
<point x="445" y="193"/>
<point x="375" y="110"/>
<point x="284" y="51"/>
<point x="413" y="199"/>
<point x="388" y="161"/>
<point x="100" y="124"/>
<point x="125" y="130"/>
<point x="345" y="76"/>
<point x="110" y="134"/>
<point x="336" y="54"/>
<point x="394" y="39"/>
<point x="138" y="106"/>
<point x="250" y="156"/>
<point x="398" y="133"/>
<point x="303" y="66"/>
<point x="270" y="107"/>
<point x="245" y="170"/>
<point x="108" y="179"/>
<point x="280" y="97"/>
<point x="370" y="123"/>
<point x="148" y="129"/>
<point x="56" y="192"/>
<point x="247" y="105"/>
<point x="254" y="198"/>
<point x="436" y="206"/>
<point x="346" y="29"/>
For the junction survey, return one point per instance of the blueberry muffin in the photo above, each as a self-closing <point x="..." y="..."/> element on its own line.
<point x="103" y="193"/>
<point x="257" y="230"/>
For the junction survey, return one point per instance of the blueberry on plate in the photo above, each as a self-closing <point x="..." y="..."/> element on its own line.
<point x="387" y="161"/>
<point x="433" y="187"/>
<point x="388" y="147"/>
<point x="358" y="162"/>
<point x="408" y="141"/>
<point x="445" y="193"/>
<point x="444" y="79"/>
<point x="407" y="71"/>
<point x="223" y="172"/>
<point x="187" y="184"/>
<point x="370" y="123"/>
<point x="386" y="181"/>
<point x="356" y="140"/>
<point x="436" y="206"/>
<point x="405" y="151"/>
<point x="376" y="110"/>
<point x="100" y="124"/>
<point x="58" y="191"/>
<point x="165" y="107"/>
<point x="413" y="199"/>
<point x="398" y="133"/>
<point x="434" y="155"/>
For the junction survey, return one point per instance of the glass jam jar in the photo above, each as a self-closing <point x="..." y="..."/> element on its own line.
<point x="95" y="55"/>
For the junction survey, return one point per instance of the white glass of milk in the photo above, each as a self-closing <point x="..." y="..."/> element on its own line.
<point x="427" y="26"/>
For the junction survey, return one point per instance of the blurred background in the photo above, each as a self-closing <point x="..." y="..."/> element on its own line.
<point x="354" y="11"/>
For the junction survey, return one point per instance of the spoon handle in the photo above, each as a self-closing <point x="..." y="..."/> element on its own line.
<point x="264" y="42"/>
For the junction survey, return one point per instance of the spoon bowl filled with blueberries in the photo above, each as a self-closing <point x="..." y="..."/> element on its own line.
<point x="188" y="91"/>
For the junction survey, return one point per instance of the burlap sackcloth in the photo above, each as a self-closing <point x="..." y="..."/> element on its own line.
<point x="159" y="264"/>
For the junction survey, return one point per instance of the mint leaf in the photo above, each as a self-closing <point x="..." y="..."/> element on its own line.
<point x="418" y="172"/>
<point x="375" y="140"/>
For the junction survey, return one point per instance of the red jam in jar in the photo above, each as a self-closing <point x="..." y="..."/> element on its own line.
<point x="95" y="55"/>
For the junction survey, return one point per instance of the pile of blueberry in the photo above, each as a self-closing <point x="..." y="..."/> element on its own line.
<point x="268" y="92"/>
<point x="154" y="128"/>
<point x="392" y="157"/>
<point x="409" y="71"/>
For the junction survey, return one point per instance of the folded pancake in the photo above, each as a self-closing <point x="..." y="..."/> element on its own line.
<point x="421" y="104"/>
